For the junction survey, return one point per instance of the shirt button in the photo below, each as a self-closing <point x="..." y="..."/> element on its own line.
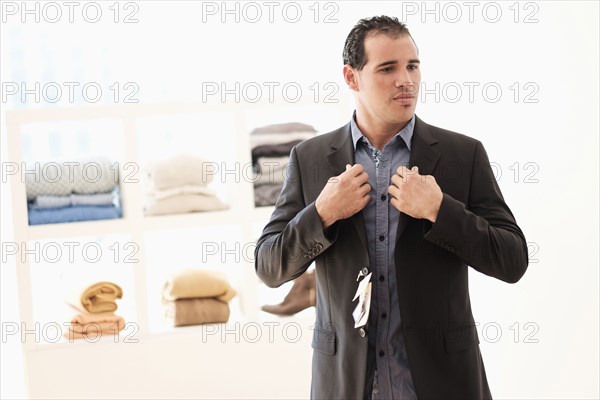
<point x="381" y="238"/>
<point x="362" y="332"/>
<point x="384" y="315"/>
<point x="365" y="271"/>
<point x="381" y="278"/>
<point x="381" y="353"/>
<point x="383" y="197"/>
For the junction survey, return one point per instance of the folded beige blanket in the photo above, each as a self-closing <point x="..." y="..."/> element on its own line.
<point x="191" y="283"/>
<point x="180" y="170"/>
<point x="183" y="203"/>
<point x="99" y="297"/>
<point x="196" y="311"/>
<point x="91" y="327"/>
<point x="176" y="191"/>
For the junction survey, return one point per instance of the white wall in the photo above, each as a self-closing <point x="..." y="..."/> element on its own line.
<point x="171" y="54"/>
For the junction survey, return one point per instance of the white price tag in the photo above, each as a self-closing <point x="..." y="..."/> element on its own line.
<point x="361" y="312"/>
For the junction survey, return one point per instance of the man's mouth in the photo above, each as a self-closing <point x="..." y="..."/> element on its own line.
<point x="405" y="98"/>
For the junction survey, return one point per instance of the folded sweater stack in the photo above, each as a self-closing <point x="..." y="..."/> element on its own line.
<point x="94" y="308"/>
<point x="196" y="296"/>
<point x="81" y="190"/>
<point x="179" y="185"/>
<point x="271" y="146"/>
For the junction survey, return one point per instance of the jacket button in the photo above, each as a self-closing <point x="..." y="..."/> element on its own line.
<point x="362" y="332"/>
<point x="365" y="271"/>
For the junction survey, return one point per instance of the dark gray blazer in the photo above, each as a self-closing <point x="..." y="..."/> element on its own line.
<point x="474" y="228"/>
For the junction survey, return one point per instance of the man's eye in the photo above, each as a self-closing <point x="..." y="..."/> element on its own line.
<point x="412" y="67"/>
<point x="387" y="69"/>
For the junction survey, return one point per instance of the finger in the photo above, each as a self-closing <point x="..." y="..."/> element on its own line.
<point x="394" y="202"/>
<point x="364" y="189"/>
<point x="365" y="201"/>
<point x="348" y="166"/>
<point x="402" y="171"/>
<point x="363" y="177"/>
<point x="357" y="169"/>
<point x="393" y="191"/>
<point x="413" y="171"/>
<point x="398" y="180"/>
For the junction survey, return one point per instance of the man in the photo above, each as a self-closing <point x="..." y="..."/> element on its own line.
<point x="409" y="203"/>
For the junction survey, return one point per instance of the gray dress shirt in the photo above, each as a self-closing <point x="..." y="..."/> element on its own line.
<point x="387" y="350"/>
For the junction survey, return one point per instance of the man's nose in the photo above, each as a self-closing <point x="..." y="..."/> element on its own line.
<point x="404" y="79"/>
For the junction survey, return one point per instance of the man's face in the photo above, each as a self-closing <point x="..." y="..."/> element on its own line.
<point x="388" y="84"/>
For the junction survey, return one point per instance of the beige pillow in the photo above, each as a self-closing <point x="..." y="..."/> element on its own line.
<point x="194" y="283"/>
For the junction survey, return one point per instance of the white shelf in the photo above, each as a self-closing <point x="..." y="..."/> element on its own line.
<point x="304" y="321"/>
<point x="156" y="236"/>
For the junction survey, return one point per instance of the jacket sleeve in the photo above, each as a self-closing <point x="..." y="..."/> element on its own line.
<point x="484" y="233"/>
<point x="294" y="236"/>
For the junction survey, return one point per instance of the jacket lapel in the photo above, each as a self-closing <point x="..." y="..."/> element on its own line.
<point x="422" y="154"/>
<point x="342" y="153"/>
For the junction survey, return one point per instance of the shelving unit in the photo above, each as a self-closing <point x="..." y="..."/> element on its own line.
<point x="136" y="227"/>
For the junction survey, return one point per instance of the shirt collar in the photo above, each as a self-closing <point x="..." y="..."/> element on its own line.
<point x="405" y="134"/>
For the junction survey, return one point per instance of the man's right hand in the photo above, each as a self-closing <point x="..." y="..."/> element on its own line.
<point x="343" y="195"/>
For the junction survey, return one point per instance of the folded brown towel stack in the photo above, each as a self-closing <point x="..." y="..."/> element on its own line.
<point x="94" y="307"/>
<point x="196" y="296"/>
<point x="196" y="311"/>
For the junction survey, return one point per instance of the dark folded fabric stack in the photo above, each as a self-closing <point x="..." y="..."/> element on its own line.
<point x="81" y="190"/>
<point x="271" y="146"/>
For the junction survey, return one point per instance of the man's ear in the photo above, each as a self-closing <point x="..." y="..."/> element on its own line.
<point x="351" y="77"/>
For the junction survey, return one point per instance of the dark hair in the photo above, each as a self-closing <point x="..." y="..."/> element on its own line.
<point x="354" y="49"/>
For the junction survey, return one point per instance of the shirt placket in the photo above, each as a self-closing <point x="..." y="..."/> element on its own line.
<point x="393" y="374"/>
<point x="382" y="168"/>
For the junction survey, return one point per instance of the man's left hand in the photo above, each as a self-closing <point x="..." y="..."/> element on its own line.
<point x="416" y="195"/>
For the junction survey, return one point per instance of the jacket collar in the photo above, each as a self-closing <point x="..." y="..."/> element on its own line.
<point x="423" y="154"/>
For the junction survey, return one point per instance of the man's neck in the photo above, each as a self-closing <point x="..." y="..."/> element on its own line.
<point x="379" y="134"/>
